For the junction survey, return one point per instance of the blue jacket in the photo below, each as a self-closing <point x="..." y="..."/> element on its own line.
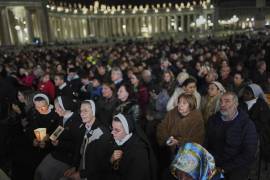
<point x="232" y="143"/>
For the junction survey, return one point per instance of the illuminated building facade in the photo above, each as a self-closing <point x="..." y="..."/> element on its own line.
<point x="24" y="21"/>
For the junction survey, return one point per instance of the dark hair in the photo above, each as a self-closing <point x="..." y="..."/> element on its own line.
<point x="241" y="74"/>
<point x="40" y="99"/>
<point x="128" y="89"/>
<point x="188" y="81"/>
<point x="60" y="75"/>
<point x="110" y="85"/>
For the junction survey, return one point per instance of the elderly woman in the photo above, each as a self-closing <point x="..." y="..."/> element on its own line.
<point x="132" y="158"/>
<point x="193" y="162"/>
<point x="44" y="116"/>
<point x="189" y="86"/>
<point x="210" y="102"/>
<point x="96" y="148"/>
<point x="183" y="123"/>
<point x="67" y="145"/>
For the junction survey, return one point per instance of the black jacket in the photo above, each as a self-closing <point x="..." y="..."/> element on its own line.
<point x="136" y="161"/>
<point x="105" y="108"/>
<point x="232" y="143"/>
<point x="50" y="122"/>
<point x="97" y="154"/>
<point x="70" y="141"/>
<point x="66" y="91"/>
<point x="131" y="108"/>
<point x="259" y="113"/>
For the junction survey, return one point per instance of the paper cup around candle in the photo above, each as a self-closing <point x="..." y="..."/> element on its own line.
<point x="40" y="133"/>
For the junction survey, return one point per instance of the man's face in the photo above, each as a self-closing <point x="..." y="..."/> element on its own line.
<point x="227" y="105"/>
<point x="58" y="81"/>
<point x="115" y="76"/>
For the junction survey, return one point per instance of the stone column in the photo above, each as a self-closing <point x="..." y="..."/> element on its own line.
<point x="182" y="23"/>
<point x="29" y="24"/>
<point x="168" y="22"/>
<point x="176" y="23"/>
<point x="136" y="26"/>
<point x="45" y="25"/>
<point x="10" y="21"/>
<point x="188" y="23"/>
<point x="260" y="14"/>
<point x="5" y="28"/>
<point x="156" y="24"/>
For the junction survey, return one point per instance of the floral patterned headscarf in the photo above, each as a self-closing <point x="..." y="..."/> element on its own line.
<point x="194" y="160"/>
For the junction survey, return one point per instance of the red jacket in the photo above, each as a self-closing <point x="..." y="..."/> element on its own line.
<point x="47" y="88"/>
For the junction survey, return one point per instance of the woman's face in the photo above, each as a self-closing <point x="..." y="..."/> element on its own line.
<point x="247" y="95"/>
<point x="198" y="66"/>
<point x="237" y="79"/>
<point x="134" y="80"/>
<point x="183" y="107"/>
<point x="122" y="93"/>
<point x="106" y="91"/>
<point x="118" y="131"/>
<point x="86" y="113"/>
<point x="59" y="110"/>
<point x="59" y="68"/>
<point x="41" y="106"/>
<point x="190" y="88"/>
<point x="183" y="176"/>
<point x="167" y="77"/>
<point x="213" y="90"/>
<point x="46" y="78"/>
<point x="21" y="97"/>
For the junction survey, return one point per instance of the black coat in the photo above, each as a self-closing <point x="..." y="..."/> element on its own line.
<point x="232" y="143"/>
<point x="131" y="108"/>
<point x="75" y="86"/>
<point x="70" y="141"/>
<point x="66" y="91"/>
<point x="259" y="113"/>
<point x="50" y="122"/>
<point x="105" y="108"/>
<point x="98" y="154"/>
<point x="135" y="163"/>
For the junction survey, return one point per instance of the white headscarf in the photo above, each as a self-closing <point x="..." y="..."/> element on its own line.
<point x="219" y="86"/>
<point x="124" y="122"/>
<point x="93" y="106"/>
<point x="45" y="97"/>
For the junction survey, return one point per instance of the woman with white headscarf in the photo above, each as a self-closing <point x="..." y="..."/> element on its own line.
<point x="210" y="102"/>
<point x="44" y="116"/>
<point x="96" y="148"/>
<point x="66" y="146"/>
<point x="256" y="106"/>
<point x="132" y="158"/>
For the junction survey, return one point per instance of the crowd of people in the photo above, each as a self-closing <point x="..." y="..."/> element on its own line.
<point x="148" y="110"/>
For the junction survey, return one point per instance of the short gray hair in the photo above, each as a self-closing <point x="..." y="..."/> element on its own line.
<point x="234" y="96"/>
<point x="117" y="70"/>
